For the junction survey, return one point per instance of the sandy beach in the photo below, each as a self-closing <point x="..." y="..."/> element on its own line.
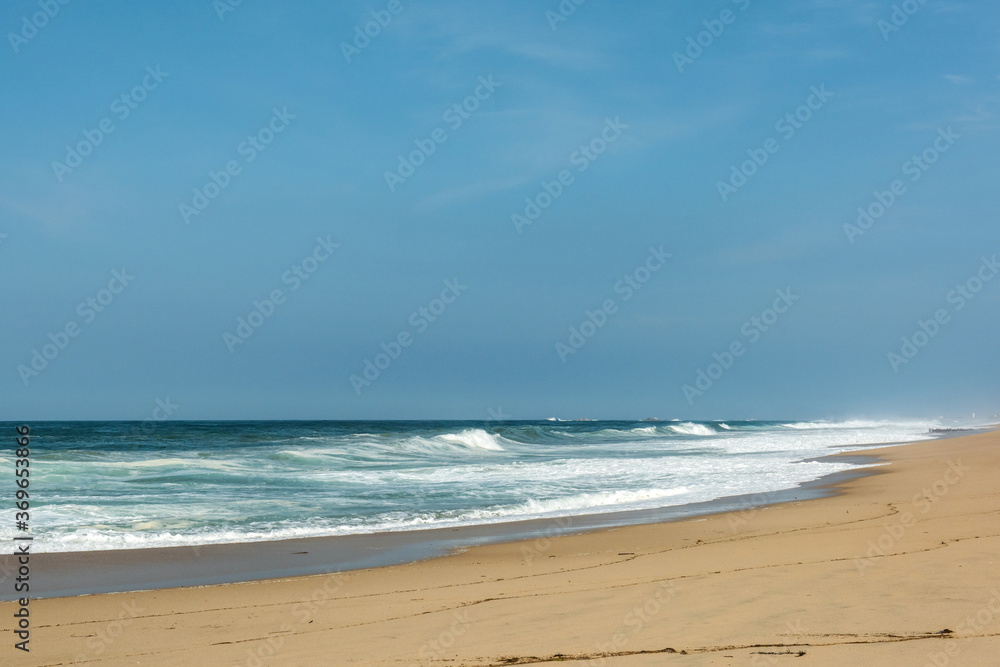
<point x="901" y="567"/>
<point x="475" y="334"/>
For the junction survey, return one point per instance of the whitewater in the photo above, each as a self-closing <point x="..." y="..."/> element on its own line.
<point x="116" y="485"/>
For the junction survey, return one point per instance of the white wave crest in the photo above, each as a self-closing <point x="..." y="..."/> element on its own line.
<point x="472" y="438"/>
<point x="688" y="428"/>
<point x="197" y="464"/>
<point x="854" y="424"/>
<point x="593" y="500"/>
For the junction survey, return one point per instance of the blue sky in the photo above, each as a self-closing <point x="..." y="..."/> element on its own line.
<point x="641" y="138"/>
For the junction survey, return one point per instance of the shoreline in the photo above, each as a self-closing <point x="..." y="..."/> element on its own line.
<point x="896" y="568"/>
<point x="120" y="569"/>
<point x="80" y="573"/>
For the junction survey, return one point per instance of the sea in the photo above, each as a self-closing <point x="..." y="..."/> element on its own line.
<point x="124" y="485"/>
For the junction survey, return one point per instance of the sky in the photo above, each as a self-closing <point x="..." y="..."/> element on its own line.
<point x="499" y="210"/>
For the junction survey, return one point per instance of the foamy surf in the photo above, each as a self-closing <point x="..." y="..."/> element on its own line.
<point x="473" y="438"/>
<point x="204" y="483"/>
<point x="688" y="428"/>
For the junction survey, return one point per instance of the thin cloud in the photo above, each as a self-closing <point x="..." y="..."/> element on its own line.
<point x="554" y="55"/>
<point x="786" y="246"/>
<point x="959" y="80"/>
<point x="470" y="191"/>
<point x="461" y="33"/>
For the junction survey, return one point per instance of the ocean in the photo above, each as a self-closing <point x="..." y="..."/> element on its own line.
<point x="116" y="485"/>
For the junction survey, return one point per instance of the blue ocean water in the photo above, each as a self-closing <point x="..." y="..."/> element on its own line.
<point x="111" y="485"/>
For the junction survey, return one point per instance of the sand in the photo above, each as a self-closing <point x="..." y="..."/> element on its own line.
<point x="899" y="568"/>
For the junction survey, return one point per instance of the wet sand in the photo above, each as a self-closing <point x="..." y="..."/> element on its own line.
<point x="124" y="570"/>
<point x="874" y="574"/>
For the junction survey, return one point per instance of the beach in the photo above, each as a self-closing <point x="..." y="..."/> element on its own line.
<point x="898" y="567"/>
<point x="475" y="334"/>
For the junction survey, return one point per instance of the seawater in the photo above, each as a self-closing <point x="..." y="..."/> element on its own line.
<point x="114" y="485"/>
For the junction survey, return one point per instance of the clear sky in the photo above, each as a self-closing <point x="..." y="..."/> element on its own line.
<point x="674" y="169"/>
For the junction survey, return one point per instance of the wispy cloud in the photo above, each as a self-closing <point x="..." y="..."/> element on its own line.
<point x="978" y="117"/>
<point x="861" y="12"/>
<point x="959" y="79"/>
<point x="787" y="245"/>
<point x="795" y="29"/>
<point x="461" y="33"/>
<point x="471" y="191"/>
<point x="558" y="56"/>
